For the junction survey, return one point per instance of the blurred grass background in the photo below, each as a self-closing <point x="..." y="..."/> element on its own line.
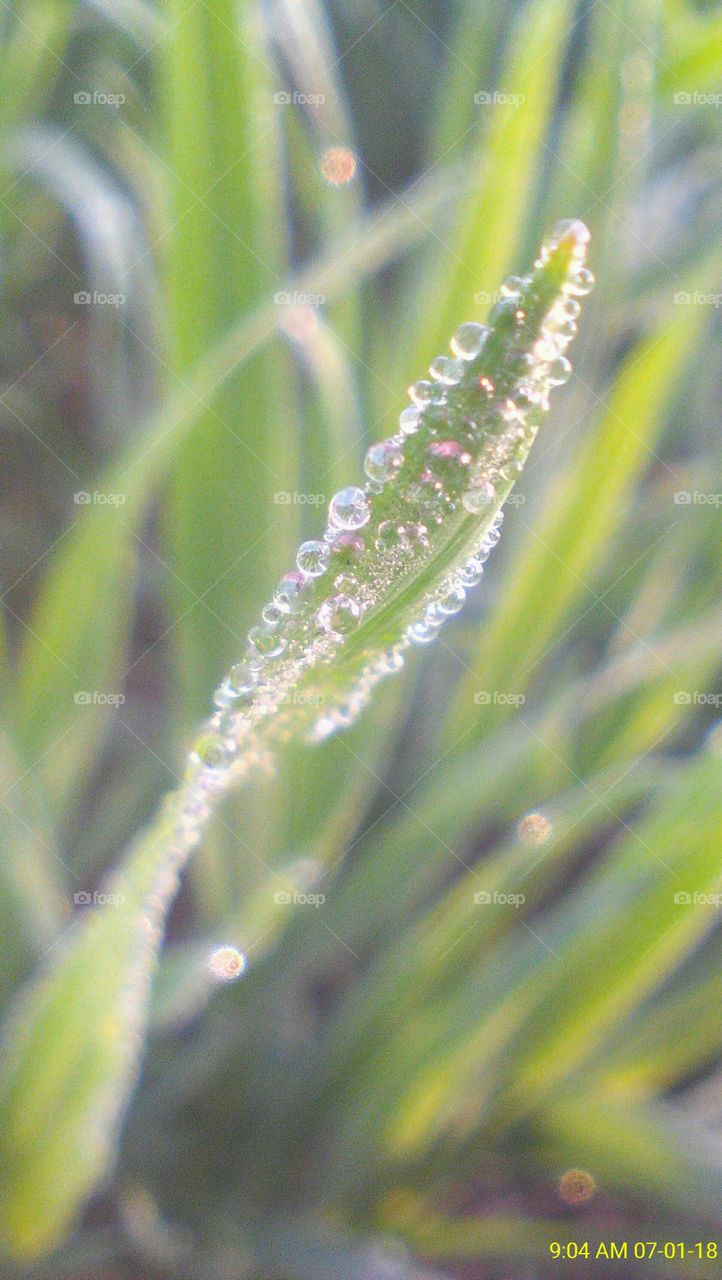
<point x="201" y="334"/>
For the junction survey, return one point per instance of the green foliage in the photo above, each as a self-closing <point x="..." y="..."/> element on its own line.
<point x="444" y="1005"/>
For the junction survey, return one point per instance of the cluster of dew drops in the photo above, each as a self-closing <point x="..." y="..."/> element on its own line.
<point x="455" y="460"/>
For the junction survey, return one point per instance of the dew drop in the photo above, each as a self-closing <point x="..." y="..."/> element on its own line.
<point x="559" y="371"/>
<point x="580" y="283"/>
<point x="423" y="393"/>
<point x="383" y="460"/>
<point x="266" y="642"/>
<point x="241" y="678"/>
<point x="446" y="371"/>
<point x="212" y="751"/>
<point x="271" y="615"/>
<point x="339" y="614"/>
<point x="313" y="557"/>
<point x="226" y="963"/>
<point x="351" y="544"/>
<point x="349" y="509"/>
<point x="410" y="420"/>
<point x="453" y="601"/>
<point x="288" y="593"/>
<point x="469" y="339"/>
<point x="479" y="497"/>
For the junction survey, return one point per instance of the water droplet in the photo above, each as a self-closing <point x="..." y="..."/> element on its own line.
<point x="469" y="339"/>
<point x="351" y="544"/>
<point x="226" y="963"/>
<point x="453" y="600"/>
<point x="349" y="509"/>
<point x="559" y="371"/>
<point x="512" y="287"/>
<point x="212" y="751"/>
<point x="271" y="615"/>
<point x="579" y="283"/>
<point x="288" y="592"/>
<point x="382" y="460"/>
<point x="471" y="573"/>
<point x="534" y="829"/>
<point x="446" y="370"/>
<point x="313" y="557"/>
<point x="423" y="631"/>
<point x="410" y="420"/>
<point x="570" y="228"/>
<point x="266" y="642"/>
<point x="423" y="393"/>
<point x="241" y="678"/>
<point x="390" y="534"/>
<point x="339" y="614"/>
<point x="479" y="497"/>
